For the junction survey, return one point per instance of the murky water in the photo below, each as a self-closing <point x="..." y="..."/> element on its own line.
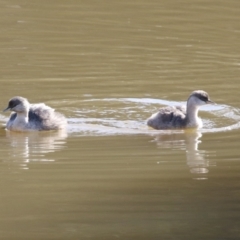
<point x="108" y="66"/>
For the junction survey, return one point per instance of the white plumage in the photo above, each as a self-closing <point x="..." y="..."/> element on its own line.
<point x="29" y="117"/>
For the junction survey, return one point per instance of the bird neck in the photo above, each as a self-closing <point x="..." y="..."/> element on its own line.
<point x="192" y="114"/>
<point x="22" y="117"/>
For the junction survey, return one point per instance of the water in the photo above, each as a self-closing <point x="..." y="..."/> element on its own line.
<point x="108" y="66"/>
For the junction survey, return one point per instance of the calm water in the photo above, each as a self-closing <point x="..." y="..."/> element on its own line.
<point x="108" y="65"/>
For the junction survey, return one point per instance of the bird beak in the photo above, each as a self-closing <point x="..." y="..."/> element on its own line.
<point x="6" y="109"/>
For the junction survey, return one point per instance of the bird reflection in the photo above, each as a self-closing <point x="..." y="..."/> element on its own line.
<point x="196" y="159"/>
<point x="34" y="146"/>
<point x="189" y="141"/>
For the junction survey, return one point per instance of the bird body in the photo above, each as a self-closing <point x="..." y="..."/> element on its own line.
<point x="174" y="117"/>
<point x="29" y="117"/>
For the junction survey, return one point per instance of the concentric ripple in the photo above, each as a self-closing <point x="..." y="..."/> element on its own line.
<point x="109" y="116"/>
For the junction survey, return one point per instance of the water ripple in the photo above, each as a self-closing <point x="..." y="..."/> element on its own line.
<point x="128" y="116"/>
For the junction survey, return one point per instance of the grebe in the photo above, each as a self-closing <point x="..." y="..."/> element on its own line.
<point x="179" y="116"/>
<point x="29" y="117"/>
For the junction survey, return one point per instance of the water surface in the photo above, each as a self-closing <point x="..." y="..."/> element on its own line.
<point x="108" y="66"/>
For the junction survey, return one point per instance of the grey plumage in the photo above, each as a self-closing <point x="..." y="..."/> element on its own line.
<point x="33" y="116"/>
<point x="168" y="117"/>
<point x="180" y="116"/>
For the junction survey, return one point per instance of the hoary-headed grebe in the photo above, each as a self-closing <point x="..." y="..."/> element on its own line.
<point x="180" y="116"/>
<point x="28" y="117"/>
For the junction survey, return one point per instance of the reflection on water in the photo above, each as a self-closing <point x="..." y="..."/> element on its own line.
<point x="189" y="140"/>
<point x="33" y="146"/>
<point x="119" y="55"/>
<point x="126" y="116"/>
<point x="197" y="160"/>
